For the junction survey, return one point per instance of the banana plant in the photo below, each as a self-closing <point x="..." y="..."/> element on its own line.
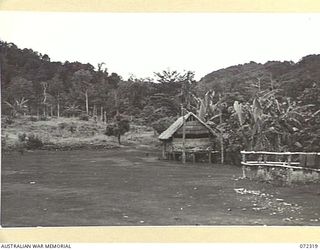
<point x="267" y="123"/>
<point x="18" y="107"/>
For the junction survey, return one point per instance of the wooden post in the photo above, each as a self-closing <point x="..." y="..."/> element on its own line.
<point x="210" y="157"/>
<point x="289" y="159"/>
<point x="243" y="166"/>
<point x="183" y="158"/>
<point x="194" y="157"/>
<point x="164" y="150"/>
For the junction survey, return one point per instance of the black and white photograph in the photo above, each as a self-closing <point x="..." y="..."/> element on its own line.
<point x="159" y="119"/>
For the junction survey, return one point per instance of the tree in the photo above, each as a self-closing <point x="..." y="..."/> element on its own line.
<point x="45" y="97"/>
<point x="18" y="89"/>
<point x="18" y="107"/>
<point x="56" y="90"/>
<point x="82" y="83"/>
<point x="118" y="128"/>
<point x="114" y="80"/>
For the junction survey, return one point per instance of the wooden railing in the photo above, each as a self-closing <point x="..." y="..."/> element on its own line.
<point x="293" y="160"/>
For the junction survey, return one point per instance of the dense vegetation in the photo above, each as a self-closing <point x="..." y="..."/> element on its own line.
<point x="272" y="106"/>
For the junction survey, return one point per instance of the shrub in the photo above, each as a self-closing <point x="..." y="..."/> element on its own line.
<point x="84" y="117"/>
<point x="22" y="137"/>
<point x="33" y="142"/>
<point x="3" y="141"/>
<point x="72" y="128"/>
<point x="6" y="121"/>
<point x="33" y="119"/>
<point x="62" y="125"/>
<point x="43" y="118"/>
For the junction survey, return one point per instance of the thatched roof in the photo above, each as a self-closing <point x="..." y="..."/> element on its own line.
<point x="168" y="133"/>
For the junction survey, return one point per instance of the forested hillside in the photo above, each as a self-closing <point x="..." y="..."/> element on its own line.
<point x="273" y="105"/>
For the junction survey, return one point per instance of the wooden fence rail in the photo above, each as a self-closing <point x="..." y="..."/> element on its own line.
<point x="303" y="160"/>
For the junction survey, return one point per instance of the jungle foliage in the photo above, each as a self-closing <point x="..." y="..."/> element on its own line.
<point x="271" y="106"/>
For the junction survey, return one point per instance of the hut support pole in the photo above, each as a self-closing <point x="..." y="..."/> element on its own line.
<point x="163" y="150"/>
<point x="194" y="157"/>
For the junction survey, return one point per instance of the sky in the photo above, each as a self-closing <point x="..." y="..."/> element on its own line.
<point x="144" y="43"/>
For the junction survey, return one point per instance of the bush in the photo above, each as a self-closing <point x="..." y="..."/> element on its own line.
<point x="33" y="142"/>
<point x="6" y="121"/>
<point x="84" y="117"/>
<point x="33" y="119"/>
<point x="43" y="118"/>
<point x="111" y="129"/>
<point x="62" y="125"/>
<point x="3" y="141"/>
<point x="22" y="137"/>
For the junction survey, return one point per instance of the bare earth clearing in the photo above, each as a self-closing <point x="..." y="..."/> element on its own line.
<point x="130" y="186"/>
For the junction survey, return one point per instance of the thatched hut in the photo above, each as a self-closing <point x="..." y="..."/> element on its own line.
<point x="199" y="137"/>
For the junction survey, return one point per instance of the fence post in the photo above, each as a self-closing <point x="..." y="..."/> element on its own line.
<point x="289" y="159"/>
<point x="243" y="166"/>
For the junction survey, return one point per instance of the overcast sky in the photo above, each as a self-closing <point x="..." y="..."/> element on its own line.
<point x="141" y="44"/>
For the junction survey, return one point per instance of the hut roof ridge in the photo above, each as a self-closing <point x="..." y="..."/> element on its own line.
<point x="168" y="133"/>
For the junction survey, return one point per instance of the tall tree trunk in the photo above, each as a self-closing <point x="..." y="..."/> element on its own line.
<point x="87" y="102"/>
<point x="94" y="110"/>
<point x="119" y="136"/>
<point x="51" y="110"/>
<point x="105" y="116"/>
<point x="58" y="106"/>
<point x="101" y="113"/>
<point x="38" y="111"/>
<point x="116" y="101"/>
<point x="58" y="109"/>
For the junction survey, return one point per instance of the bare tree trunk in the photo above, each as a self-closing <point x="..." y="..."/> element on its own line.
<point x="44" y="85"/>
<point x="58" y="106"/>
<point x="38" y="111"/>
<point x="105" y="116"/>
<point x="119" y="136"/>
<point x="101" y="113"/>
<point x="116" y="101"/>
<point x="51" y="111"/>
<point x="87" y="102"/>
<point x="58" y="109"/>
<point x="94" y="110"/>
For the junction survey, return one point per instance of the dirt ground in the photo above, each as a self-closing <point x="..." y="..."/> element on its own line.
<point x="131" y="186"/>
